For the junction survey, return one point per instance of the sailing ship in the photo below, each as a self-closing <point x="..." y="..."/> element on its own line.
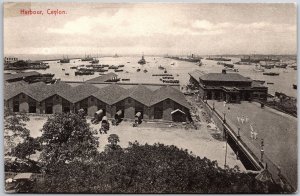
<point x="87" y="58"/>
<point x="250" y="60"/>
<point x="64" y="60"/>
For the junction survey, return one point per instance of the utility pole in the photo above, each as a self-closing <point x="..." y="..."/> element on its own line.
<point x="225" y="147"/>
<point x="262" y="150"/>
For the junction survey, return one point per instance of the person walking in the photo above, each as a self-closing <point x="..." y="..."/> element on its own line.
<point x="255" y="135"/>
<point x="242" y="119"/>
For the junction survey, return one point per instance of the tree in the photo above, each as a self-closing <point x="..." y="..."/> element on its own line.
<point x="14" y="130"/>
<point x="66" y="138"/>
<point x="26" y="148"/>
<point x="150" y="169"/>
<point x="113" y="140"/>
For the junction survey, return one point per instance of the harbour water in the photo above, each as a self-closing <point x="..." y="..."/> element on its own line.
<point x="180" y="69"/>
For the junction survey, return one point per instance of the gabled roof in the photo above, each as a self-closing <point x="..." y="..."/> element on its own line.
<point x="13" y="89"/>
<point x="168" y="92"/>
<point x="38" y="91"/>
<point x="141" y="94"/>
<point x="196" y="74"/>
<point x="20" y="75"/>
<point x="224" y="77"/>
<point x="78" y="93"/>
<point x="110" y="94"/>
<point x="103" y="78"/>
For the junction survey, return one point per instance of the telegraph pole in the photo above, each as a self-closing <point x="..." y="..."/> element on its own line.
<point x="225" y="148"/>
<point x="262" y="150"/>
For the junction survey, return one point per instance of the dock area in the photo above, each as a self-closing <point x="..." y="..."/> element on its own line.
<point x="278" y="131"/>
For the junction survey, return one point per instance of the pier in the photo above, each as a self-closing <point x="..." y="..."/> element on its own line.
<point x="276" y="143"/>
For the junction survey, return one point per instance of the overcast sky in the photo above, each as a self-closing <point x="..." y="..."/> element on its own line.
<point x="151" y="28"/>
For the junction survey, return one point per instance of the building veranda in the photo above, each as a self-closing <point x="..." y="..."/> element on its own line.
<point x="229" y="87"/>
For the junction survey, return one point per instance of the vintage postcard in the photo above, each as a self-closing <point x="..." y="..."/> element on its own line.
<point x="150" y="97"/>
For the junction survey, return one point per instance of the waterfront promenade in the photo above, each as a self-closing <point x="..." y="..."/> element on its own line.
<point x="278" y="131"/>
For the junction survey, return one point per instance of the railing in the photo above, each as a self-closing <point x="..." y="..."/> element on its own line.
<point x="255" y="161"/>
<point x="277" y="174"/>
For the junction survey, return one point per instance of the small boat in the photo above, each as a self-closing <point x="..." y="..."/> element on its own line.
<point x="126" y="79"/>
<point x="121" y="66"/>
<point x="145" y="70"/>
<point x="161" y="67"/>
<point x="260" y="81"/>
<point x="128" y="62"/>
<point x="119" y="70"/>
<point x="270" y="82"/>
<point x="67" y="74"/>
<point x="63" y="69"/>
<point x="165" y="71"/>
<point x="84" y="72"/>
<point x="228" y="65"/>
<point x="231" y="69"/>
<point x="113" y="67"/>
<point x="138" y="70"/>
<point x="271" y="74"/>
<point x="294" y="86"/>
<point x="172" y="63"/>
<point x="95" y="61"/>
<point x="258" y="69"/>
<point x="282" y="65"/>
<point x="74" y="67"/>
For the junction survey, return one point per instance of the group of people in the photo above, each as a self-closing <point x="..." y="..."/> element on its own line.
<point x="242" y="119"/>
<point x="245" y="120"/>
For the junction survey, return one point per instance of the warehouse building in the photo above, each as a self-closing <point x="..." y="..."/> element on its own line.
<point x="229" y="87"/>
<point x="165" y="103"/>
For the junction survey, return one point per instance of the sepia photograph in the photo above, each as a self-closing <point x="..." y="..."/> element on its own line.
<point x="150" y="98"/>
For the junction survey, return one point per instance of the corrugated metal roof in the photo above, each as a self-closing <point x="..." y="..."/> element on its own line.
<point x="20" y="75"/>
<point x="13" y="89"/>
<point x="110" y="94"/>
<point x="141" y="94"/>
<point x="168" y="92"/>
<point x="196" y="74"/>
<point x="228" y="77"/>
<point x="103" y="78"/>
<point x="78" y="93"/>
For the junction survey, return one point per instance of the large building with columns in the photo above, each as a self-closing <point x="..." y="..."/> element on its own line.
<point x="161" y="102"/>
<point x="229" y="87"/>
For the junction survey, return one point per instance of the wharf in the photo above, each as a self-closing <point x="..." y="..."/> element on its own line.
<point x="278" y="130"/>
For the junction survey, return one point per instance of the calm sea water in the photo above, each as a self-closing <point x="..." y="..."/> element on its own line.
<point x="180" y="69"/>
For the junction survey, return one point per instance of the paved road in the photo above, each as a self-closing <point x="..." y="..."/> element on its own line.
<point x="278" y="130"/>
